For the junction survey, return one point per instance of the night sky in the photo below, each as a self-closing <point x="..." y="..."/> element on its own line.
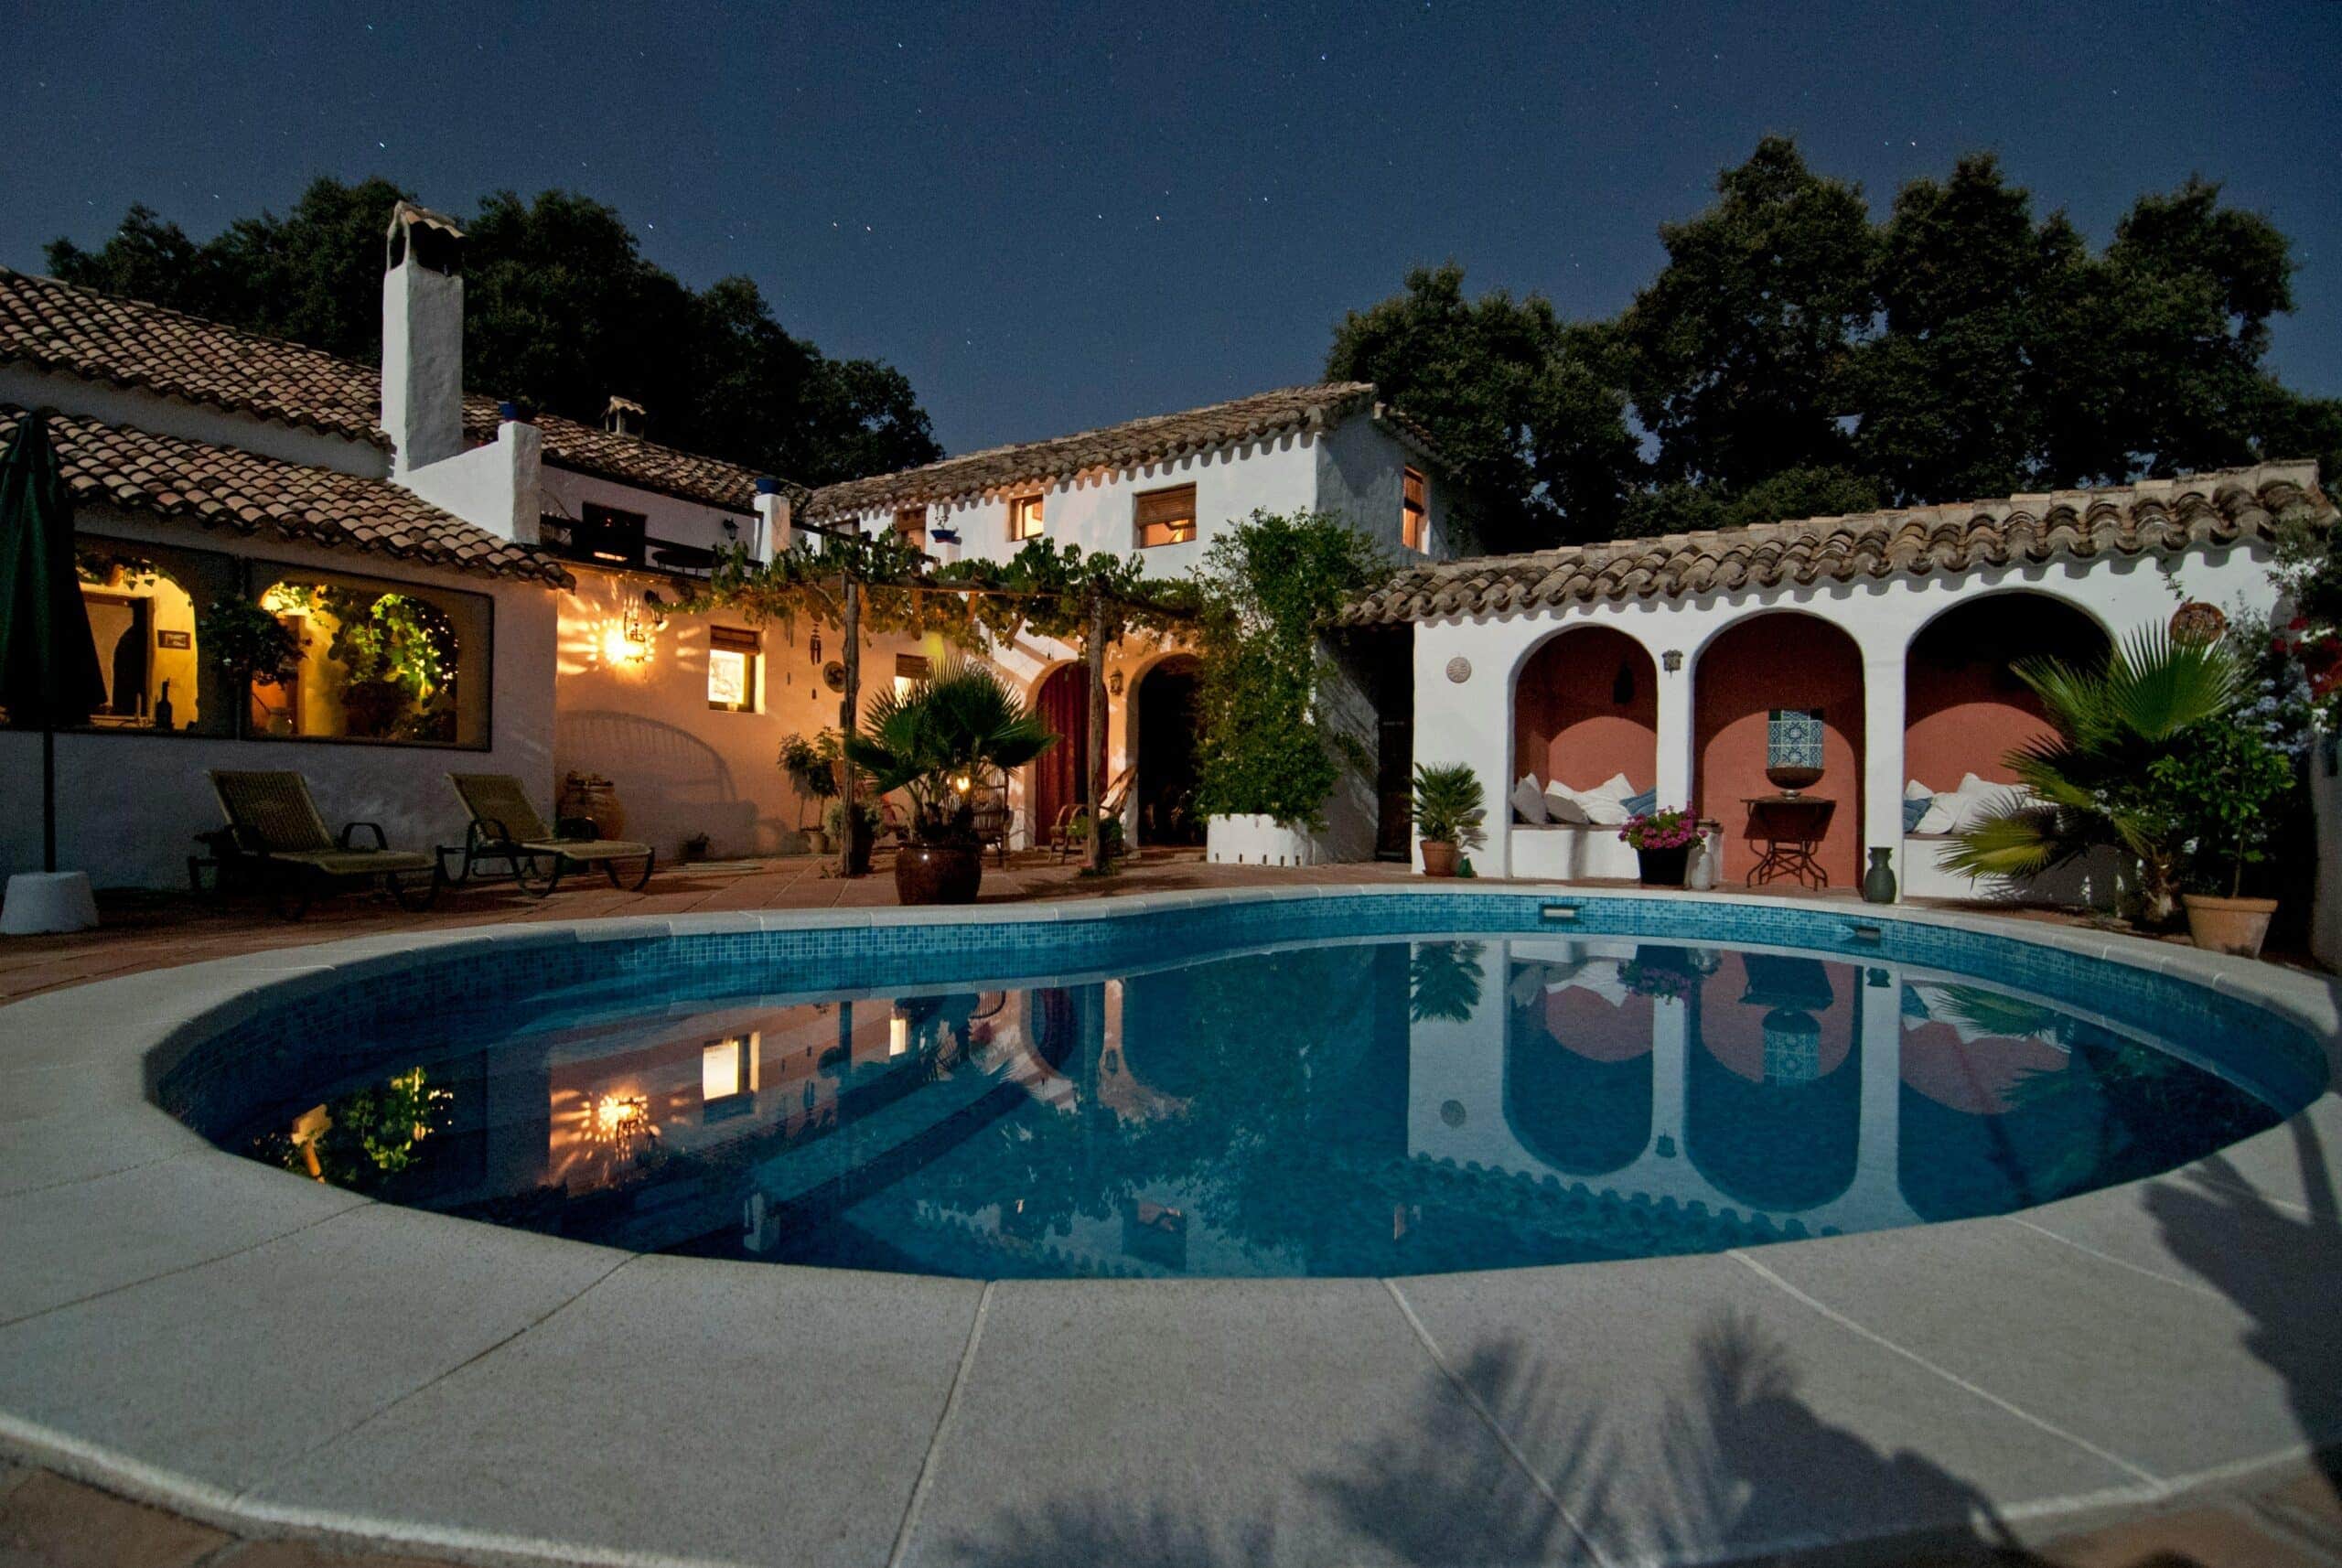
<point x="1054" y="218"/>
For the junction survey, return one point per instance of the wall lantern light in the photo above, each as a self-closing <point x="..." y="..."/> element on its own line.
<point x="1672" y="659"/>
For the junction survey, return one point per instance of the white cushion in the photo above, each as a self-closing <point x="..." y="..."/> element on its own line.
<point x="1564" y="806"/>
<point x="1528" y="800"/>
<point x="1615" y="788"/>
<point x="1601" y="809"/>
<point x="1915" y="790"/>
<point x="1942" y="817"/>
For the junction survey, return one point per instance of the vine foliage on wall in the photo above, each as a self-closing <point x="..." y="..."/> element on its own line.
<point x="1270" y="585"/>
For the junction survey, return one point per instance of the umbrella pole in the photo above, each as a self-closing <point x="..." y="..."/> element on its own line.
<point x="49" y="797"/>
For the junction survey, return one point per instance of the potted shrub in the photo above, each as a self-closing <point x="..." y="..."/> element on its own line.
<point x="2225" y="793"/>
<point x="1663" y="843"/>
<point x="811" y="765"/>
<point x="933" y="742"/>
<point x="1450" y="815"/>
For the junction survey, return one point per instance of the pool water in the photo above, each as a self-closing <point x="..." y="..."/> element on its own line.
<point x="1361" y="1108"/>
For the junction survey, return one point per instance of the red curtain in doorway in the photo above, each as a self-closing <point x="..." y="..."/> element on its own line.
<point x="1061" y="775"/>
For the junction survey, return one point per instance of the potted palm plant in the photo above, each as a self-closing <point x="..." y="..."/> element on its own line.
<point x="1662" y="841"/>
<point x="2121" y="767"/>
<point x="933" y="741"/>
<point x="1450" y="815"/>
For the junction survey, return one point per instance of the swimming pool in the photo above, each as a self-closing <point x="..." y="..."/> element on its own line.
<point x="1373" y="1085"/>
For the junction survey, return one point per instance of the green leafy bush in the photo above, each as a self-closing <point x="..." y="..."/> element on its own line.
<point x="1449" y="806"/>
<point x="1269" y="584"/>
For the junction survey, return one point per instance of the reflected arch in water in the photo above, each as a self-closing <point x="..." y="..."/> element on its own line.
<point x="1773" y="1091"/>
<point x="1577" y="1069"/>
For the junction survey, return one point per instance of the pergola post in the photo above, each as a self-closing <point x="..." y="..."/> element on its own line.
<point x="1094" y="656"/>
<point x="849" y="710"/>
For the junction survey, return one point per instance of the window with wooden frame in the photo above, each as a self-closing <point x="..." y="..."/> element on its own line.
<point x="1024" y="518"/>
<point x="1167" y="517"/>
<point x="1414" y="514"/>
<point x="606" y="534"/>
<point x="909" y="670"/>
<point x="731" y="656"/>
<point x="910" y="526"/>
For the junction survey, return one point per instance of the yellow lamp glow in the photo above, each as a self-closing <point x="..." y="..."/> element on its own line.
<point x="898" y="1034"/>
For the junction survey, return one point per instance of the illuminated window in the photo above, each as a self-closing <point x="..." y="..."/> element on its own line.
<point x="1167" y="517"/>
<point x="727" y="1076"/>
<point x="379" y="662"/>
<point x="732" y="658"/>
<point x="1414" y="516"/>
<point x="143" y="603"/>
<point x="909" y="669"/>
<point x="910" y="526"/>
<point x="1024" y="518"/>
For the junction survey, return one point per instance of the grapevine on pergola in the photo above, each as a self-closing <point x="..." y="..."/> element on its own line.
<point x="867" y="584"/>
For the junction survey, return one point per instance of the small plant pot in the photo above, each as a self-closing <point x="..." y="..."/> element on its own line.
<point x="1439" y="859"/>
<point x="2237" y="925"/>
<point x="817" y="843"/>
<point x="1663" y="867"/>
<point x="938" y="874"/>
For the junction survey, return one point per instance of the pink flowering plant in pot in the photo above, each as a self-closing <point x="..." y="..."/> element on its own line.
<point x="1662" y="841"/>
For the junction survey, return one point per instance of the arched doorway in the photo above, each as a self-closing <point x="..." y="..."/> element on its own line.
<point x="1779" y="659"/>
<point x="1964" y="707"/>
<point x="1061" y="774"/>
<point x="1166" y="716"/>
<point x="1585" y="707"/>
<point x="1773" y="1091"/>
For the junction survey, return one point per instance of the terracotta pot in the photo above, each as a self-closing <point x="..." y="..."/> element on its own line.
<point x="817" y="843"/>
<point x="938" y="874"/>
<point x="2235" y="925"/>
<point x="1439" y="859"/>
<point x="1663" y="867"/>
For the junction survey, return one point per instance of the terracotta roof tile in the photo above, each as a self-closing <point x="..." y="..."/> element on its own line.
<point x="2153" y="517"/>
<point x="130" y="343"/>
<point x="1117" y="447"/>
<point x="226" y="486"/>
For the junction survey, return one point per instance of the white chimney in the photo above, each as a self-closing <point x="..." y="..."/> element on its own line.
<point x="423" y="337"/>
<point x="773" y="520"/>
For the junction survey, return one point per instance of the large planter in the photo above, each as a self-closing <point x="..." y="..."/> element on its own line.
<point x="1439" y="859"/>
<point x="1663" y="867"/>
<point x="2235" y="925"/>
<point x="938" y="874"/>
<point x="1258" y="841"/>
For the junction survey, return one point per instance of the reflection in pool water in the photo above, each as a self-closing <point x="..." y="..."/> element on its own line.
<point x="1389" y="1107"/>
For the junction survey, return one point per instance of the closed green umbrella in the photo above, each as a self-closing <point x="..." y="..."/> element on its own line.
<point x="49" y="663"/>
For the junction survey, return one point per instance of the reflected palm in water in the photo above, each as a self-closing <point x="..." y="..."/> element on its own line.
<point x="1380" y="1108"/>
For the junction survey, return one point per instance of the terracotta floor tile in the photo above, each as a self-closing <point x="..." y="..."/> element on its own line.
<point x="56" y="1523"/>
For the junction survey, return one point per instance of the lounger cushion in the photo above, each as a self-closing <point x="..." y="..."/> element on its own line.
<point x="356" y="862"/>
<point x="590" y="849"/>
<point x="1562" y="805"/>
<point x="1528" y="800"/>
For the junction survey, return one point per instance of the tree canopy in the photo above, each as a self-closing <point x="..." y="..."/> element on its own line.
<point x="562" y="311"/>
<point x="1796" y="356"/>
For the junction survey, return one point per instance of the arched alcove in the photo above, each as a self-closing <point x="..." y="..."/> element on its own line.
<point x="1964" y="707"/>
<point x="1779" y="659"/>
<point x="1773" y="1095"/>
<point x="1584" y="708"/>
<point x="1577" y="1077"/>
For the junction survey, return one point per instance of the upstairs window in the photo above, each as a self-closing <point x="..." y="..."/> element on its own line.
<point x="1024" y="518"/>
<point x="606" y="534"/>
<point x="731" y="656"/>
<point x="910" y="526"/>
<point x="1167" y="517"/>
<point x="1414" y="516"/>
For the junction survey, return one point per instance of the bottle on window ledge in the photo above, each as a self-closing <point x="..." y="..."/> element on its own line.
<point x="163" y="708"/>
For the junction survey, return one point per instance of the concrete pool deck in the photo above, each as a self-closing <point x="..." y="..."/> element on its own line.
<point x="264" y="1354"/>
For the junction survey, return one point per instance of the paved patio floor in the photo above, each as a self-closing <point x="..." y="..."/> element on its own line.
<point x="2273" y="1518"/>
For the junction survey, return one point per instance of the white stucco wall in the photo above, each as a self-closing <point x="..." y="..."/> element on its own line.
<point x="668" y="519"/>
<point x="1361" y="467"/>
<point x="131" y="802"/>
<point x="1471" y="721"/>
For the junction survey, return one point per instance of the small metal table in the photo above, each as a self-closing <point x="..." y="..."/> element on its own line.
<point x="1786" y="832"/>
